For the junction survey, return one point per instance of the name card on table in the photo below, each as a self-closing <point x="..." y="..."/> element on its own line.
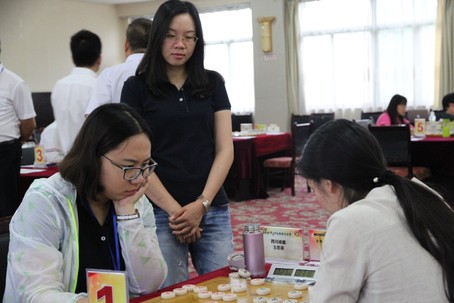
<point x="107" y="286"/>
<point x="283" y="244"/>
<point x="316" y="237"/>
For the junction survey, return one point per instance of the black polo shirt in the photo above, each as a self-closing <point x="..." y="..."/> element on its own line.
<point x="96" y="244"/>
<point x="183" y="132"/>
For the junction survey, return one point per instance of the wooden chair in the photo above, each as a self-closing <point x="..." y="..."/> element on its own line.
<point x="395" y="141"/>
<point x="371" y="115"/>
<point x="4" y="245"/>
<point x="285" y="166"/>
<point x="237" y="119"/>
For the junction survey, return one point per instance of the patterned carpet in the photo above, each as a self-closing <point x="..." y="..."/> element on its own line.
<point x="279" y="209"/>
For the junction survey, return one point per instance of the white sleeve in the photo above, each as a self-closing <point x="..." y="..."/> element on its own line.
<point x="101" y="93"/>
<point x="343" y="264"/>
<point x="144" y="261"/>
<point x="22" y="101"/>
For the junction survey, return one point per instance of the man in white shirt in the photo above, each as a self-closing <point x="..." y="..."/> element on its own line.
<point x="110" y="81"/>
<point x="71" y="94"/>
<point x="17" y="122"/>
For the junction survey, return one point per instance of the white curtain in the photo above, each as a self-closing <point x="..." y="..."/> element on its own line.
<point x="444" y="68"/>
<point x="356" y="54"/>
<point x="291" y="39"/>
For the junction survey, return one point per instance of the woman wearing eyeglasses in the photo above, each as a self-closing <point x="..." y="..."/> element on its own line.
<point x="93" y="214"/>
<point x="188" y="110"/>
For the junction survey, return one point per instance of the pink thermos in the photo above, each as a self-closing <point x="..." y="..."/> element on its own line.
<point x="254" y="250"/>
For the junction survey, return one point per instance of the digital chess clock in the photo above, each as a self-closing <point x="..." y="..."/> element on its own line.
<point x="292" y="273"/>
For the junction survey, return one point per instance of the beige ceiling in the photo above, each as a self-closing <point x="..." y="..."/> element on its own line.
<point x="115" y="1"/>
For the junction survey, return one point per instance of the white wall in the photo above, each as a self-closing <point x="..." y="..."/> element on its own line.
<point x="35" y="43"/>
<point x="35" y="37"/>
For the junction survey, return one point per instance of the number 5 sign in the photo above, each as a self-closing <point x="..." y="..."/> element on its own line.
<point x="107" y="286"/>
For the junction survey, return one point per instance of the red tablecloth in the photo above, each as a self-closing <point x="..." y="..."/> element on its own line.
<point x="245" y="178"/>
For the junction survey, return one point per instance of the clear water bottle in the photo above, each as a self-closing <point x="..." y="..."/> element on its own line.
<point x="254" y="250"/>
<point x="432" y="117"/>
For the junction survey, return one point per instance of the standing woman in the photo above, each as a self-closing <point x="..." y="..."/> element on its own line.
<point x="389" y="239"/>
<point x="395" y="113"/>
<point x="188" y="110"/>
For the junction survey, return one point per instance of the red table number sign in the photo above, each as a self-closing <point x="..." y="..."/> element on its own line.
<point x="107" y="286"/>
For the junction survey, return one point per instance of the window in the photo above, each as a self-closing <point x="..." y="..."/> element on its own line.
<point x="356" y="54"/>
<point x="229" y="51"/>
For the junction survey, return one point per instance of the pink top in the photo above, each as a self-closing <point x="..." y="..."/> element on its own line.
<point x="385" y="120"/>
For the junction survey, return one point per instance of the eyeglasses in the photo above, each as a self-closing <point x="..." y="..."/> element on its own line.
<point x="131" y="173"/>
<point x="188" y="39"/>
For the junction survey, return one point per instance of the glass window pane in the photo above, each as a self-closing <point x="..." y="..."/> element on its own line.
<point x="229" y="51"/>
<point x="344" y="66"/>
<point x="218" y="26"/>
<point x="334" y="14"/>
<point x="351" y="74"/>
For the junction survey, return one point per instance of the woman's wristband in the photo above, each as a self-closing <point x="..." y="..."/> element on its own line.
<point x="205" y="202"/>
<point x="133" y="216"/>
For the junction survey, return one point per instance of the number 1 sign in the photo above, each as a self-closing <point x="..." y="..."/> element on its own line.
<point x="109" y="285"/>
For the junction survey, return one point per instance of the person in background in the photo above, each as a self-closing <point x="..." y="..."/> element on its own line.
<point x="188" y="109"/>
<point x="395" y="113"/>
<point x="49" y="140"/>
<point x="110" y="81"/>
<point x="92" y="214"/>
<point x="70" y="94"/>
<point x="388" y="239"/>
<point x="448" y="107"/>
<point x="17" y="122"/>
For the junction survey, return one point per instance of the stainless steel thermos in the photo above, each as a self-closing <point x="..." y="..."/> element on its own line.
<point x="254" y="251"/>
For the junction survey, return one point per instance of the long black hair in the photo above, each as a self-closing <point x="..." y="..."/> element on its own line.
<point x="396" y="118"/>
<point x="153" y="65"/>
<point x="346" y="153"/>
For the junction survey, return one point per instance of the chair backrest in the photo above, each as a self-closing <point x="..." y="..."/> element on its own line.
<point x="299" y="119"/>
<point x="300" y="134"/>
<point x="417" y="113"/>
<point x="364" y="122"/>
<point x="237" y="119"/>
<point x="4" y="245"/>
<point x="43" y="109"/>
<point x="371" y="115"/>
<point x="320" y="118"/>
<point x="395" y="142"/>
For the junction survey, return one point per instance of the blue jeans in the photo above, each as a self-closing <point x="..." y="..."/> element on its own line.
<point x="208" y="253"/>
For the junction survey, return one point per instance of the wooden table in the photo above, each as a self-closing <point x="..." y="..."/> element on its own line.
<point x="212" y="280"/>
<point x="245" y="180"/>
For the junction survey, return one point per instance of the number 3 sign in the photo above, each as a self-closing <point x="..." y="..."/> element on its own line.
<point x="40" y="160"/>
<point x="107" y="286"/>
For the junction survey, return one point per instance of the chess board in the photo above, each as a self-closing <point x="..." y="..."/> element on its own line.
<point x="277" y="290"/>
